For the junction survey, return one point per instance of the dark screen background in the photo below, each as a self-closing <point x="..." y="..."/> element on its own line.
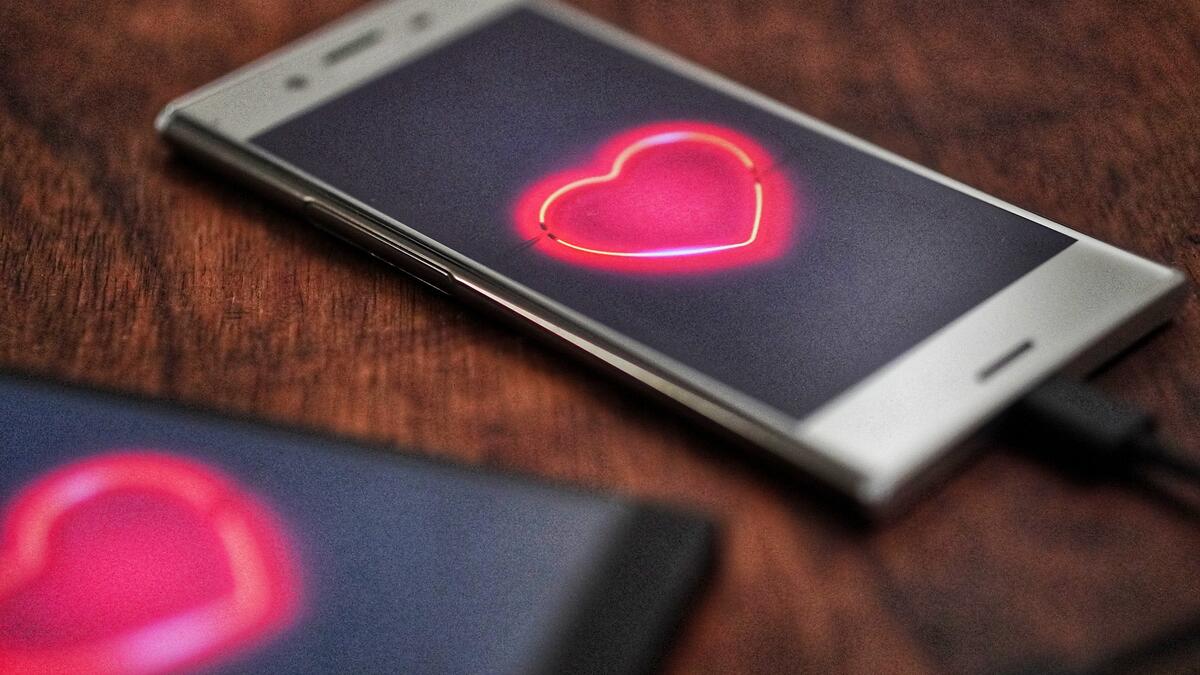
<point x="881" y="260"/>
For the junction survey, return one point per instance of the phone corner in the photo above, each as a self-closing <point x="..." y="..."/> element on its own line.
<point x="165" y="118"/>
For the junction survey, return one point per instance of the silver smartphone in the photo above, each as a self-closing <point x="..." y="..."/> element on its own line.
<point x="843" y="308"/>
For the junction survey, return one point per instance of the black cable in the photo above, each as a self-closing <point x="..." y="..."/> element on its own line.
<point x="1155" y="453"/>
<point x="1088" y="431"/>
<point x="1085" y="433"/>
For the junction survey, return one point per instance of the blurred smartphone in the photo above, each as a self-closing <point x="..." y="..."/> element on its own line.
<point x="852" y="312"/>
<point x="139" y="538"/>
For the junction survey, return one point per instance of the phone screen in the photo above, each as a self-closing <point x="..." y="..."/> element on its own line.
<point x="764" y="255"/>
<point x="140" y="539"/>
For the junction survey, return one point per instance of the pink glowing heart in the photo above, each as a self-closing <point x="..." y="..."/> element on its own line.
<point x="665" y="197"/>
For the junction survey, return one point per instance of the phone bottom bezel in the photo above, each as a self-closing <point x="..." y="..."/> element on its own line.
<point x="1069" y="314"/>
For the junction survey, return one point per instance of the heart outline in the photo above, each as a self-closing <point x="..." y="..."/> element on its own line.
<point x="261" y="604"/>
<point x="773" y="212"/>
<point x="615" y="172"/>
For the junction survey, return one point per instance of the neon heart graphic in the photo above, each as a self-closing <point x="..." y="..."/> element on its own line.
<point x="669" y="197"/>
<point x="139" y="563"/>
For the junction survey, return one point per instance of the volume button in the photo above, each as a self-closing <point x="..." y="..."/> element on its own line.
<point x="378" y="245"/>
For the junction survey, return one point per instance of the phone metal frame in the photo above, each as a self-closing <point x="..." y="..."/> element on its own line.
<point x="1070" y="313"/>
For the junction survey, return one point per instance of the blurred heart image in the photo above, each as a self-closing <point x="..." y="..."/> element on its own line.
<point x="138" y="563"/>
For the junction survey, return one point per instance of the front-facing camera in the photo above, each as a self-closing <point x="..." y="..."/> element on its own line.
<point x="420" y="21"/>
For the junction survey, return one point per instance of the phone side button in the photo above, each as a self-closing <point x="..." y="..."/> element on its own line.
<point x="379" y="247"/>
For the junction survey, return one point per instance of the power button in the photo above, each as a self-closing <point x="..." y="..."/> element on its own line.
<point x="379" y="244"/>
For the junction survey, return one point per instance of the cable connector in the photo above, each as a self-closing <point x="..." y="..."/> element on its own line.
<point x="1091" y="432"/>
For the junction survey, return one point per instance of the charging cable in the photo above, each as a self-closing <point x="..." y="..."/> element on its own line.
<point x="1093" y="433"/>
<point x="1083" y="432"/>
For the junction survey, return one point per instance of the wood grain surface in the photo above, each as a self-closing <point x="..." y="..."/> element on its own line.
<point x="123" y="266"/>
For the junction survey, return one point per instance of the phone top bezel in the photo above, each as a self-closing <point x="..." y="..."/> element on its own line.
<point x="1119" y="292"/>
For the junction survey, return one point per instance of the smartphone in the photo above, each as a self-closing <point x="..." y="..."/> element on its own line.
<point x="837" y="305"/>
<point x="138" y="538"/>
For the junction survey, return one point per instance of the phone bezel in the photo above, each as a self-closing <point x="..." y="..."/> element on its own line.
<point x="1075" y="310"/>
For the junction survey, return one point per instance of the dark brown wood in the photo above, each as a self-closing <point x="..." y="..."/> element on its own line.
<point x="122" y="266"/>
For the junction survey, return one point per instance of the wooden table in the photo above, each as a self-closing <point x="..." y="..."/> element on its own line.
<point x="125" y="267"/>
